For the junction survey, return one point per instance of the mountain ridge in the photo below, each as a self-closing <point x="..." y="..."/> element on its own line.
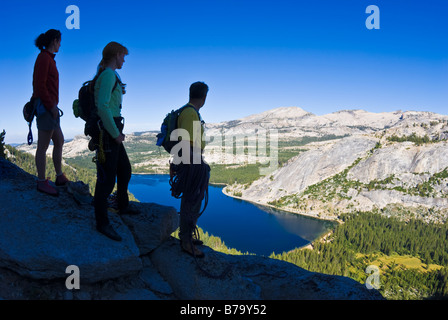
<point x="411" y="174"/>
<point x="294" y="123"/>
<point x="383" y="157"/>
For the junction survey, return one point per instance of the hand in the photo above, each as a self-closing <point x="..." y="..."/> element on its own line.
<point x="120" y="139"/>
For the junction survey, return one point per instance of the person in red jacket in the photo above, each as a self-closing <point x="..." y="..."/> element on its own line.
<point x="46" y="97"/>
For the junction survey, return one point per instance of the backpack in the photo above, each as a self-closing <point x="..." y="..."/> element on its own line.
<point x="84" y="107"/>
<point x="169" y="124"/>
<point x="29" y="112"/>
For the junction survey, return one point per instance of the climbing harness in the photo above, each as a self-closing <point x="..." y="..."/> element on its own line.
<point x="100" y="156"/>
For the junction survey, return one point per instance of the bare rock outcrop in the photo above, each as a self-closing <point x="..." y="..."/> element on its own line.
<point x="320" y="163"/>
<point x="41" y="236"/>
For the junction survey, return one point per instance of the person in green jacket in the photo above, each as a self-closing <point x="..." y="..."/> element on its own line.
<point x="108" y="94"/>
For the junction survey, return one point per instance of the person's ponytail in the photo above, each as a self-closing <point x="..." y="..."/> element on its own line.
<point x="44" y="40"/>
<point x="41" y="41"/>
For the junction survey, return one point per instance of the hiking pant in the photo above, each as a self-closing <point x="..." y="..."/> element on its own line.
<point x="190" y="183"/>
<point x="116" y="166"/>
<point x="189" y="214"/>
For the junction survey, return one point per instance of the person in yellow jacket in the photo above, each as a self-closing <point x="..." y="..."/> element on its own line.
<point x="192" y="173"/>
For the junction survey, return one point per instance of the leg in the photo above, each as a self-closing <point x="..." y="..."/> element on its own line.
<point x="106" y="174"/>
<point x="185" y="229"/>
<point x="58" y="142"/>
<point x="124" y="172"/>
<point x="43" y="142"/>
<point x="41" y="163"/>
<point x="189" y="214"/>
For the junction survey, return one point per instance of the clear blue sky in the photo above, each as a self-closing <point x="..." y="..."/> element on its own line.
<point x="254" y="55"/>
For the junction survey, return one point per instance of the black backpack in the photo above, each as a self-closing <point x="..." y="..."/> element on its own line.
<point x="169" y="124"/>
<point x="84" y="107"/>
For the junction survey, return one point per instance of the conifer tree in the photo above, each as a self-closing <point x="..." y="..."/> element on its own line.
<point x="2" y="144"/>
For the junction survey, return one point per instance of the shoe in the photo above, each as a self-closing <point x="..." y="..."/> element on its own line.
<point x="186" y="247"/>
<point x="61" y="180"/>
<point x="45" y="187"/>
<point x="109" y="232"/>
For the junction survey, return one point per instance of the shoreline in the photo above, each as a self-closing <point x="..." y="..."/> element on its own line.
<point x="224" y="185"/>
<point x="310" y="245"/>
<point x="329" y="219"/>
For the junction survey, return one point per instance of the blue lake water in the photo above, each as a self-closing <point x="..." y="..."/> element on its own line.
<point x="240" y="224"/>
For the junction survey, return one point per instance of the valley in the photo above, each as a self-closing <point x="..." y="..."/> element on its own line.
<point x="343" y="166"/>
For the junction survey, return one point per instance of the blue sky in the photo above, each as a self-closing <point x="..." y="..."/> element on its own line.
<point x="254" y="55"/>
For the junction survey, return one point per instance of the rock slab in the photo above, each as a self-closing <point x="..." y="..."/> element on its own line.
<point x="40" y="236"/>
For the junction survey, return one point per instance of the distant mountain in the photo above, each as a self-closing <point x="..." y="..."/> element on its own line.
<point x="295" y="122"/>
<point x="395" y="162"/>
<point x="292" y="122"/>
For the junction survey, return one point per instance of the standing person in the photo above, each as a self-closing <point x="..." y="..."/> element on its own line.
<point x="46" y="98"/>
<point x="115" y="165"/>
<point x="191" y="178"/>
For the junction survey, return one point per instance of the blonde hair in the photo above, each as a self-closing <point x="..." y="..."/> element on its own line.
<point x="110" y="51"/>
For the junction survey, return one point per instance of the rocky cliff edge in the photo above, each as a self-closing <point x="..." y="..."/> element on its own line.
<point x="40" y="236"/>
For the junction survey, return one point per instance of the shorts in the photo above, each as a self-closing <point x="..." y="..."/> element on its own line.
<point x="44" y="118"/>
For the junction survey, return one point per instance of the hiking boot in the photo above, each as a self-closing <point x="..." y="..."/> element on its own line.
<point x="191" y="249"/>
<point x="61" y="180"/>
<point x="109" y="232"/>
<point x="45" y="187"/>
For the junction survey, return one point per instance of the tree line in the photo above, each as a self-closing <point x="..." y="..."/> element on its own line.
<point x="412" y="138"/>
<point x="368" y="233"/>
<point x="26" y="161"/>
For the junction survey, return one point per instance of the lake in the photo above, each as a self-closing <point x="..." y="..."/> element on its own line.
<point x="242" y="225"/>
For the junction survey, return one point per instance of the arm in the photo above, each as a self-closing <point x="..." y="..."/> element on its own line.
<point x="40" y="81"/>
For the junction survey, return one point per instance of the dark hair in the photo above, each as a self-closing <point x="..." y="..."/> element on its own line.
<point x="47" y="38"/>
<point x="198" y="90"/>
